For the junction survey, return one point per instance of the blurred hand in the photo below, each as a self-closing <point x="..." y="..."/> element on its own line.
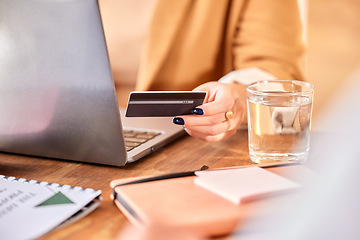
<point x="213" y="125"/>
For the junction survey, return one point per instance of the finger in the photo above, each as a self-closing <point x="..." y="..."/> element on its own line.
<point x="205" y="87"/>
<point x="217" y="106"/>
<point x="205" y="137"/>
<point x="192" y="121"/>
<point x="208" y="138"/>
<point x="203" y="120"/>
<point x="211" y="130"/>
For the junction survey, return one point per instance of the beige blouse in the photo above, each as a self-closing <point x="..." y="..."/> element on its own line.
<point x="125" y="25"/>
<point x="190" y="42"/>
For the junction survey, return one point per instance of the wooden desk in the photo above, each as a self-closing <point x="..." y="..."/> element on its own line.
<point x="107" y="221"/>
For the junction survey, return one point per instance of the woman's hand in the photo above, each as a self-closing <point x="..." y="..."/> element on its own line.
<point x="209" y="121"/>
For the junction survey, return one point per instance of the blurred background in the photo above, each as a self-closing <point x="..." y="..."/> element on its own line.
<point x="333" y="35"/>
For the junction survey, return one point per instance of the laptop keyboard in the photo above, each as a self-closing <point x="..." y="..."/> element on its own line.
<point x="134" y="138"/>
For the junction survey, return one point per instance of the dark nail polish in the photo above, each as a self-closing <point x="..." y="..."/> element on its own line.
<point x="198" y="111"/>
<point x="178" y="121"/>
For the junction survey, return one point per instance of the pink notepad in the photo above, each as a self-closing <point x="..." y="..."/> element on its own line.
<point x="240" y="184"/>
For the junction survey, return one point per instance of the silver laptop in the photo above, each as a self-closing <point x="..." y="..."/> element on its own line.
<point x="57" y="96"/>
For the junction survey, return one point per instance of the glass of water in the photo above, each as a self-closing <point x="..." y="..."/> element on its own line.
<point x="279" y="120"/>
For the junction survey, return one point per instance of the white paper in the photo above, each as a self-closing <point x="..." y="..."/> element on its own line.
<point x="22" y="218"/>
<point x="241" y="183"/>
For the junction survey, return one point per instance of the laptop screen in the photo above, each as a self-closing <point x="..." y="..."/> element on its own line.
<point x="57" y="96"/>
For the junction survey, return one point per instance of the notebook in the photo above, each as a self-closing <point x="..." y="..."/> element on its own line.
<point x="57" y="95"/>
<point x="176" y="200"/>
<point x="29" y="209"/>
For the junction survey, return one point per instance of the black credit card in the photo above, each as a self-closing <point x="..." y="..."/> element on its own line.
<point x="163" y="103"/>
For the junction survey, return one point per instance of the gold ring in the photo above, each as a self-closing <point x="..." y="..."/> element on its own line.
<point x="229" y="114"/>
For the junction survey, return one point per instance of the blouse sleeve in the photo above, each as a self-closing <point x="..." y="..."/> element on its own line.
<point x="269" y="37"/>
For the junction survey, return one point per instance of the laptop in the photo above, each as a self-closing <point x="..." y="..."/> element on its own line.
<point x="57" y="95"/>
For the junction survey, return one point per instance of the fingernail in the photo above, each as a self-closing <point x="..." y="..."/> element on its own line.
<point x="178" y="121"/>
<point x="198" y="111"/>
